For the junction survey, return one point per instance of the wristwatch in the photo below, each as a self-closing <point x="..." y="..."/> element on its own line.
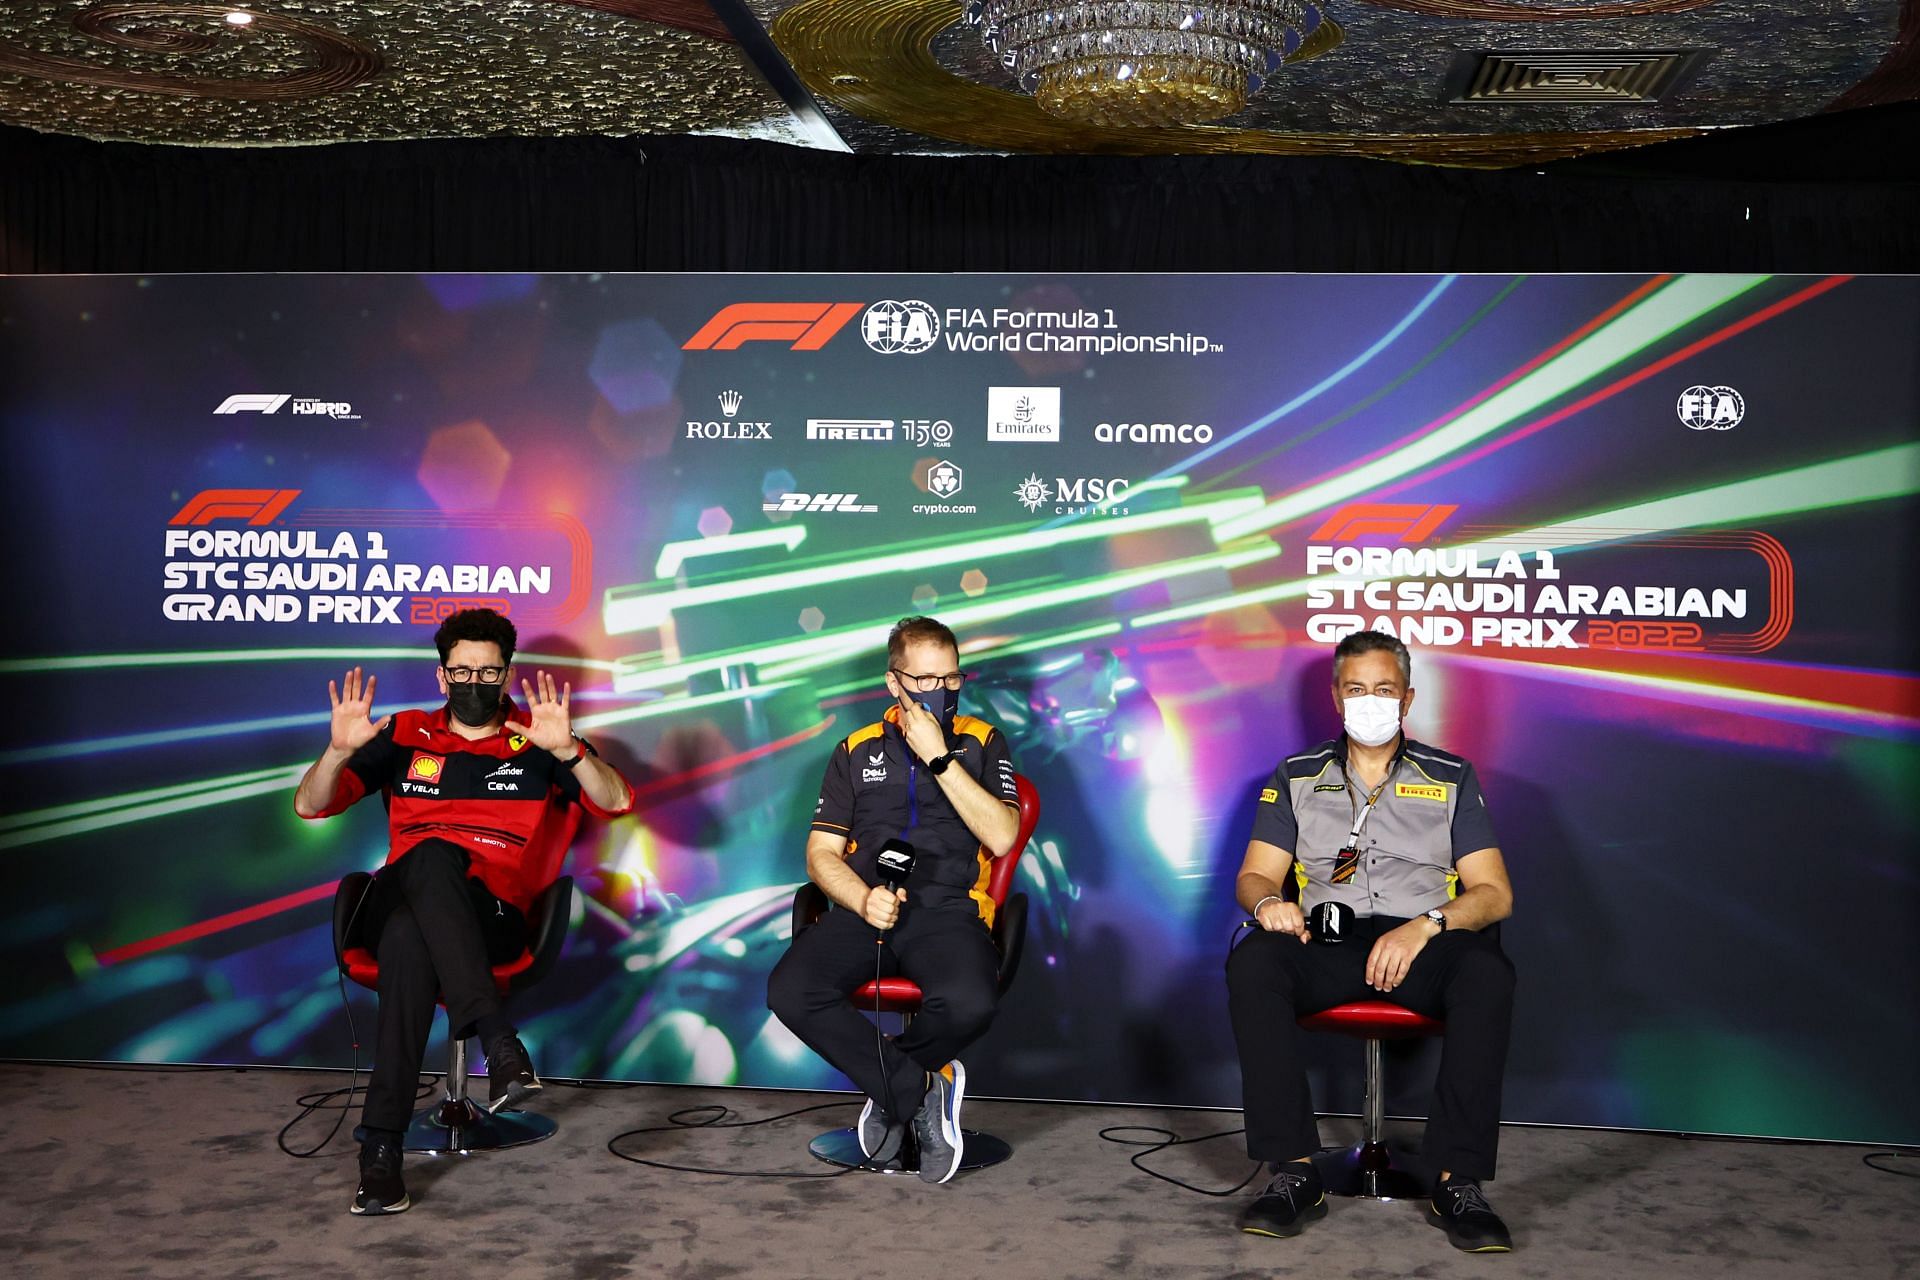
<point x="938" y="765"/>
<point x="586" y="749"/>
<point x="1439" y="917"/>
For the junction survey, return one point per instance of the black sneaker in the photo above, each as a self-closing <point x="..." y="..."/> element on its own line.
<point x="936" y="1125"/>
<point x="510" y="1078"/>
<point x="881" y="1136"/>
<point x="380" y="1189"/>
<point x="1463" y="1213"/>
<point x="1293" y="1198"/>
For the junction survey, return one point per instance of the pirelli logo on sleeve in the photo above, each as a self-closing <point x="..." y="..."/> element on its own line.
<point x="1420" y="791"/>
<point x="1269" y="795"/>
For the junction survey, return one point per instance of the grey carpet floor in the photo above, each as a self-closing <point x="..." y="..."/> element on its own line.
<point x="122" y="1173"/>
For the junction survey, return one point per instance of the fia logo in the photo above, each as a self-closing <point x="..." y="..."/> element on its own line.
<point x="1711" y="408"/>
<point x="876" y="768"/>
<point x="900" y="328"/>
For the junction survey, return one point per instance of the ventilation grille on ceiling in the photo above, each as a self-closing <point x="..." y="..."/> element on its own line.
<point x="1566" y="76"/>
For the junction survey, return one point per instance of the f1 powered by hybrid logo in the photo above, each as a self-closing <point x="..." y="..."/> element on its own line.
<point x="273" y="404"/>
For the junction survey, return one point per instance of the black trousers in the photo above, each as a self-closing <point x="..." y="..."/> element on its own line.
<point x="947" y="951"/>
<point x="1273" y="978"/>
<point x="436" y="933"/>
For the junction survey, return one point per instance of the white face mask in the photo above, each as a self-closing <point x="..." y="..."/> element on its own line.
<point x="1372" y="720"/>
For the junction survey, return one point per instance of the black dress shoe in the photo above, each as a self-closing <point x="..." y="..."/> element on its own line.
<point x="1463" y="1213"/>
<point x="380" y="1190"/>
<point x="1292" y="1199"/>
<point x="510" y="1078"/>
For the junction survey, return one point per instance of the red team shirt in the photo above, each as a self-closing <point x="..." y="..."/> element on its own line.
<point x="511" y="805"/>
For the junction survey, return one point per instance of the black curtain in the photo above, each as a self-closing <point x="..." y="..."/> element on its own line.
<point x="1834" y="193"/>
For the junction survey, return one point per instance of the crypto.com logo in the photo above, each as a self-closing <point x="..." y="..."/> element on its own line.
<point x="804" y="326"/>
<point x="1413" y="521"/>
<point x="255" y="506"/>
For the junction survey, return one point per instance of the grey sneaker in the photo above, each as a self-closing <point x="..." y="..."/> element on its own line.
<point x="936" y="1125"/>
<point x="881" y="1136"/>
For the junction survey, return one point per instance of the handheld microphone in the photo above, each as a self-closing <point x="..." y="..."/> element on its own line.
<point x="895" y="863"/>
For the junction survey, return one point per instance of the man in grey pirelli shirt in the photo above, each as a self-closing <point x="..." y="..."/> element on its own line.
<point x="1397" y="831"/>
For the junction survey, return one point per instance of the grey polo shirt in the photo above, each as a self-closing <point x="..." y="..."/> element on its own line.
<point x="1429" y="815"/>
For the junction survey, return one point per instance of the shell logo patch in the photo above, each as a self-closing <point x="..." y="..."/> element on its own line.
<point x="1419" y="791"/>
<point x="516" y="742"/>
<point x="1269" y="795"/>
<point x="425" y="768"/>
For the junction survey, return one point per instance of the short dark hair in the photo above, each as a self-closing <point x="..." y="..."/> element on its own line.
<point x="917" y="630"/>
<point x="475" y="624"/>
<point x="1373" y="642"/>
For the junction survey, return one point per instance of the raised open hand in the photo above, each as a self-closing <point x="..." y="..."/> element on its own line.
<point x="353" y="723"/>
<point x="549" y="723"/>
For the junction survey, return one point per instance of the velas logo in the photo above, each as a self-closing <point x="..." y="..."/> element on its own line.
<point x="426" y="768"/>
<point x="726" y="428"/>
<point x="900" y="328"/>
<point x="791" y="503"/>
<point x="803" y="326"/>
<point x="255" y="506"/>
<point x="274" y="403"/>
<point x="1411" y="521"/>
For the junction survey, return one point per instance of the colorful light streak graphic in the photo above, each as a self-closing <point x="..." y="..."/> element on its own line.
<point x="1320" y="388"/>
<point x="630" y="609"/>
<point x="1679" y="304"/>
<point x="346" y="656"/>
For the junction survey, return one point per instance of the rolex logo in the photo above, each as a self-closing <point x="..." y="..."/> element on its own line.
<point x="729" y="402"/>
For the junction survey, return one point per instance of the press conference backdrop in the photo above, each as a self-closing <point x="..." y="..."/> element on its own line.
<point x="1651" y="540"/>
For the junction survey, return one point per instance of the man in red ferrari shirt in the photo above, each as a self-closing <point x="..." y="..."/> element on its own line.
<point x="478" y="796"/>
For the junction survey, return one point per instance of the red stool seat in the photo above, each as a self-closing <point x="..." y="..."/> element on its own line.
<point x="1373" y="1020"/>
<point x="889" y="995"/>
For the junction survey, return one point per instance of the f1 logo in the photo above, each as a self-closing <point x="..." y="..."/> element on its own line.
<point x="255" y="506"/>
<point x="1413" y="521"/>
<point x="252" y="404"/>
<point x="806" y="325"/>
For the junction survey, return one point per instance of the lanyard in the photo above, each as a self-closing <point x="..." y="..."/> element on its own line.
<point x="1360" y="814"/>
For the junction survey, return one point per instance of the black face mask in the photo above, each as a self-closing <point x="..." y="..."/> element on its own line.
<point x="943" y="703"/>
<point x="474" y="704"/>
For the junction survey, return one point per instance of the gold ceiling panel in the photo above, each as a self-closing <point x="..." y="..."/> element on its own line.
<point x="874" y="58"/>
<point x="324" y="70"/>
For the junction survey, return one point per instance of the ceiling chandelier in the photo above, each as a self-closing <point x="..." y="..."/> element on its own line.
<point x="1142" y="62"/>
